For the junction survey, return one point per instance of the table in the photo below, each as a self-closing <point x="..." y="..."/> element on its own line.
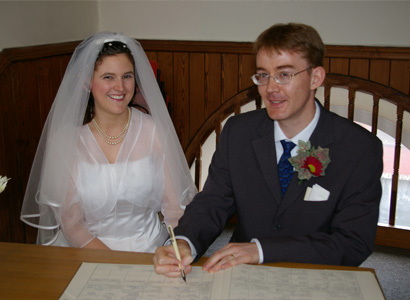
<point x="43" y="272"/>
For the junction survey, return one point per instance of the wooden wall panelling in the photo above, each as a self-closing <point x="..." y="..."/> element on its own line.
<point x="31" y="79"/>
<point x="25" y="111"/>
<point x="400" y="75"/>
<point x="359" y="68"/>
<point x="380" y="71"/>
<point x="247" y="67"/>
<point x="47" y="76"/>
<point x="8" y="154"/>
<point x="326" y="64"/>
<point x="339" y="66"/>
<point x="230" y="75"/>
<point x="151" y="55"/>
<point x="58" y="66"/>
<point x="196" y="92"/>
<point x="63" y="62"/>
<point x="181" y="97"/>
<point x="213" y="82"/>
<point x="47" y="70"/>
<point x="165" y="64"/>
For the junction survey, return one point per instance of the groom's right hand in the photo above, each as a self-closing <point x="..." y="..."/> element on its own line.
<point x="166" y="263"/>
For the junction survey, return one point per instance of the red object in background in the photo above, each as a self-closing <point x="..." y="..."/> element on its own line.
<point x="154" y="66"/>
<point x="157" y="73"/>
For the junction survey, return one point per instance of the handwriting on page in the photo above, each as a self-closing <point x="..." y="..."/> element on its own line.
<point x="282" y="283"/>
<point x="116" y="281"/>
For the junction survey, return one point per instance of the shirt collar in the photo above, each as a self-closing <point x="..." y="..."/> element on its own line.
<point x="304" y="135"/>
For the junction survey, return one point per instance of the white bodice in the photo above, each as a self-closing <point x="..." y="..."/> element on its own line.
<point x="119" y="203"/>
<point x="121" y="206"/>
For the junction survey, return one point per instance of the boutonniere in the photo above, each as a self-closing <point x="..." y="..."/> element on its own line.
<point x="310" y="162"/>
<point x="3" y="183"/>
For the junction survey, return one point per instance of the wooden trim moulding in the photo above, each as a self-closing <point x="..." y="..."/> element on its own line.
<point x="373" y="52"/>
<point x="197" y="46"/>
<point x="10" y="55"/>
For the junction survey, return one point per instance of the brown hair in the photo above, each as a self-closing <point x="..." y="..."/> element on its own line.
<point x="293" y="37"/>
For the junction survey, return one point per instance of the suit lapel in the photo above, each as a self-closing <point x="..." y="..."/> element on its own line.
<point x="265" y="152"/>
<point x="321" y="136"/>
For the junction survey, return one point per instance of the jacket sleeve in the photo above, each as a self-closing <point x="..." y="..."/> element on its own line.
<point x="207" y="215"/>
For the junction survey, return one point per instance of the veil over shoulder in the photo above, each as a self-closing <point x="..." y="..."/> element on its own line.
<point x="50" y="176"/>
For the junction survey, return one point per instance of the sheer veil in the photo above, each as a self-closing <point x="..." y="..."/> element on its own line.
<point x="50" y="174"/>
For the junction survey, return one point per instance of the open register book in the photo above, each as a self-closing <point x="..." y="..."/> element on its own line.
<point x="126" y="281"/>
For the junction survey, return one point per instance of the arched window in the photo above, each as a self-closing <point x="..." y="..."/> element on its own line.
<point x="386" y="133"/>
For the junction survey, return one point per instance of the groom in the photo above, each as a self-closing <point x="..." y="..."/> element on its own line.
<point x="327" y="215"/>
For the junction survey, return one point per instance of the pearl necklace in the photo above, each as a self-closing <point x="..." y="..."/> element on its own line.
<point x="121" y="135"/>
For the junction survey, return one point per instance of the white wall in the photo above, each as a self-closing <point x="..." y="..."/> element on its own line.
<point x="383" y="23"/>
<point x="24" y="23"/>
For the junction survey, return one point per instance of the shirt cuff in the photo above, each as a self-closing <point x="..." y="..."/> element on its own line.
<point x="256" y="241"/>
<point x="180" y="237"/>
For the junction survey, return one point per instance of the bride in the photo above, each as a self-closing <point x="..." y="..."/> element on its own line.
<point x="109" y="163"/>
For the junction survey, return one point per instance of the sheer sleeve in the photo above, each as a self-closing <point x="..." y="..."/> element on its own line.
<point x="72" y="220"/>
<point x="171" y="209"/>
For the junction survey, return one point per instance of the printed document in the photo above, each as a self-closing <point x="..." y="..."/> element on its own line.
<point x="127" y="281"/>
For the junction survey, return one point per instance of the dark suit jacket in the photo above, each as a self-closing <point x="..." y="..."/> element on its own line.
<point x="243" y="179"/>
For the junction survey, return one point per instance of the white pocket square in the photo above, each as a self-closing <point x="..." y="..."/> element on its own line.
<point x="316" y="193"/>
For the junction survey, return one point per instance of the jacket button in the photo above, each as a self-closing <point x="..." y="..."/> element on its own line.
<point x="276" y="227"/>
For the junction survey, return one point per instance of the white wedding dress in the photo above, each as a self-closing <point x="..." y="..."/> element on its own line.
<point x="119" y="203"/>
<point x="75" y="195"/>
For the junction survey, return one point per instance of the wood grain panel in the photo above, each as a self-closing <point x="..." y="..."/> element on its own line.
<point x="46" y="90"/>
<point x="152" y="55"/>
<point x="196" y="92"/>
<point x="8" y="153"/>
<point x="380" y="71"/>
<point x="165" y="64"/>
<point x="26" y="111"/>
<point x="9" y="56"/>
<point x="181" y="97"/>
<point x="339" y="66"/>
<point x="213" y="82"/>
<point x="359" y="68"/>
<point x="368" y="52"/>
<point x="247" y="67"/>
<point x="400" y="76"/>
<point x="326" y="64"/>
<point x="230" y="75"/>
<point x="198" y="46"/>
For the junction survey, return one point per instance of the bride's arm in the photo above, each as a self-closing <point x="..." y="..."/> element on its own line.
<point x="73" y="225"/>
<point x="171" y="208"/>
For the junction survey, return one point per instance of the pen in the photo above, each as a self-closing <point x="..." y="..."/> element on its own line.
<point x="174" y="243"/>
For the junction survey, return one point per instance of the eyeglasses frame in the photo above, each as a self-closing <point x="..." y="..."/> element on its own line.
<point x="276" y="80"/>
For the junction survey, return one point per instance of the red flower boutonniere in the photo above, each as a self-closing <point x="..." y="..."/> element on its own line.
<point x="310" y="161"/>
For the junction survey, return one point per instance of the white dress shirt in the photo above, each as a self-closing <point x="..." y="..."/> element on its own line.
<point x="304" y="135"/>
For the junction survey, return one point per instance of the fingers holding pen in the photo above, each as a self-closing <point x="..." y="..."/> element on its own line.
<point x="166" y="262"/>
